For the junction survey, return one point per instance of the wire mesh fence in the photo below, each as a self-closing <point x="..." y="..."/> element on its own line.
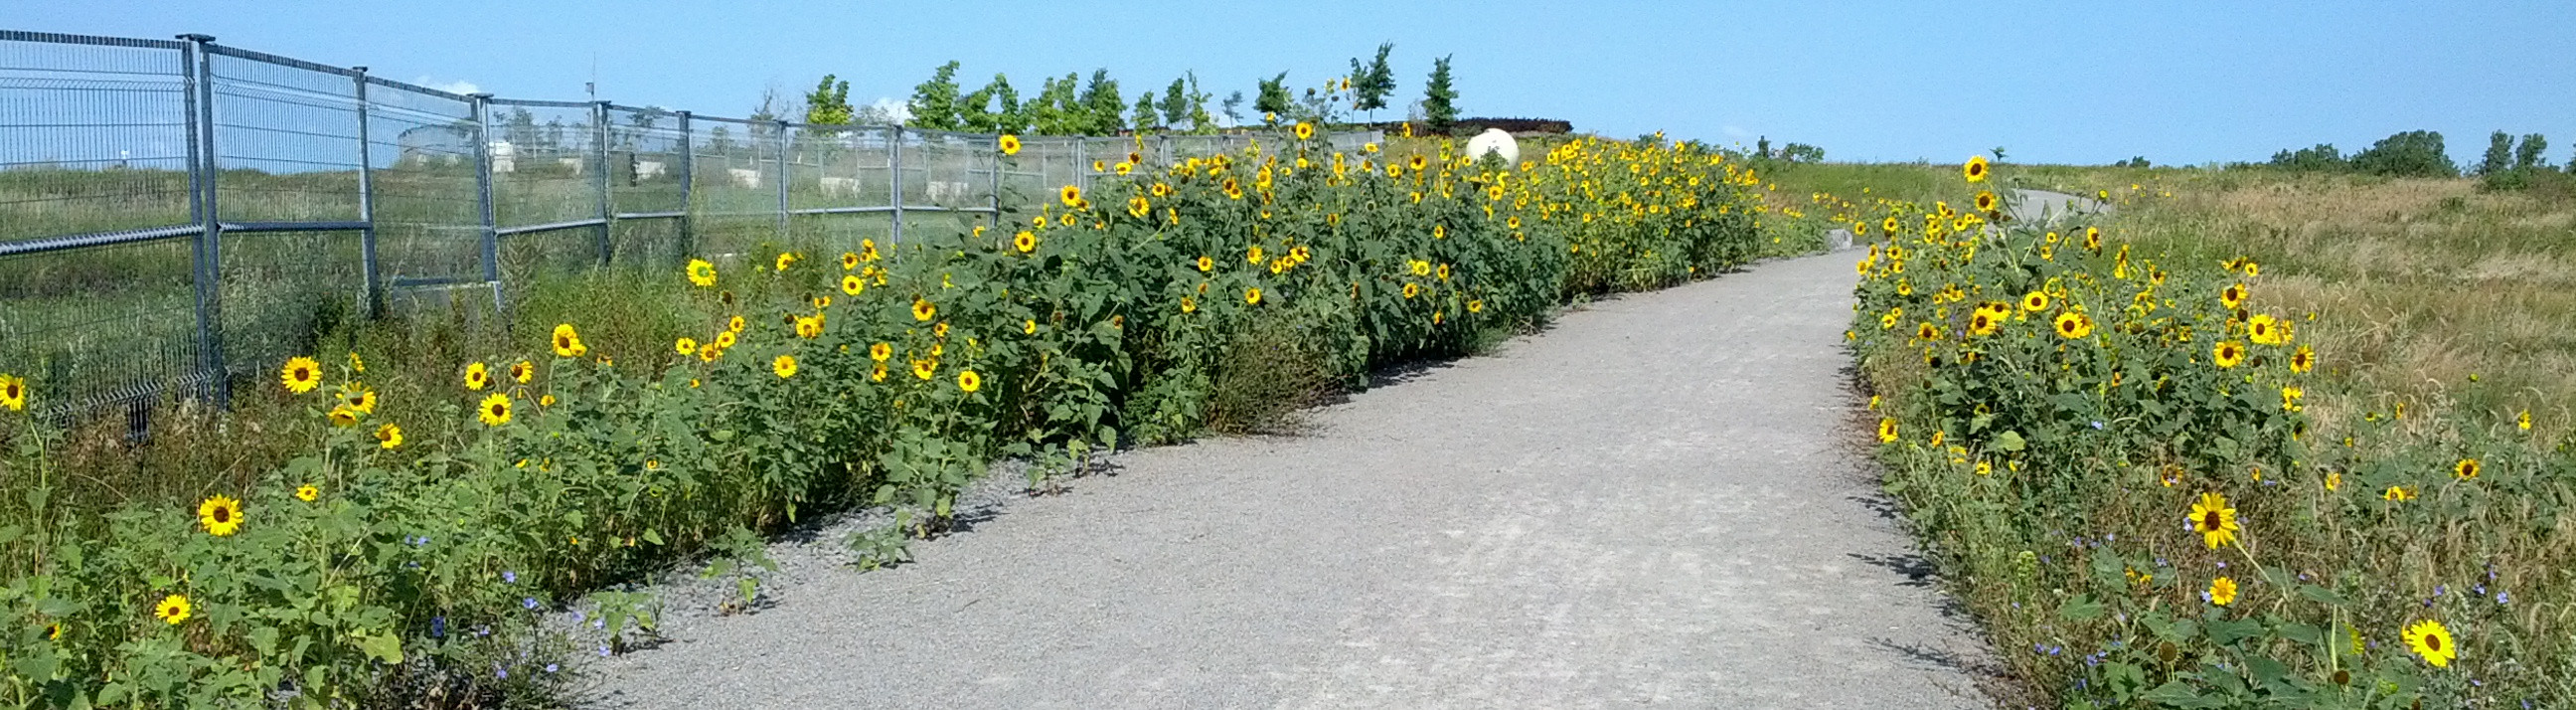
<point x="176" y="214"/>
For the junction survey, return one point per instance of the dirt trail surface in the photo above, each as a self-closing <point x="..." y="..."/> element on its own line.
<point x="1659" y="501"/>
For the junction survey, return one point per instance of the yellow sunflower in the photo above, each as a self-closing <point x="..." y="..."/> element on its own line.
<point x="2222" y="591"/>
<point x="809" y="327"/>
<point x="1070" y="195"/>
<point x="734" y="325"/>
<point x="477" y="377"/>
<point x="2074" y="325"/>
<point x="2290" y="398"/>
<point x="2263" y="329"/>
<point x="1189" y="305"/>
<point x="1927" y="331"/>
<point x="494" y="410"/>
<point x="724" y="339"/>
<point x="300" y="375"/>
<point x="922" y="310"/>
<point x="523" y="371"/>
<point x="968" y="381"/>
<point x="567" y="342"/>
<point x="2215" y="522"/>
<point x="2306" y="359"/>
<point x="2428" y="638"/>
<point x="1412" y="289"/>
<point x="2466" y="469"/>
<point x="1305" y="130"/>
<point x="784" y="365"/>
<point x="307" y="493"/>
<point x="1026" y="241"/>
<point x="1982" y="323"/>
<point x="342" y="416"/>
<point x="925" y="369"/>
<point x="1475" y="305"/>
<point x="172" y="609"/>
<point x="1985" y="201"/>
<point x="2228" y="353"/>
<point x="1887" y="430"/>
<point x="388" y="436"/>
<point x="853" y="285"/>
<point x="1138" y="207"/>
<point x="359" y="398"/>
<point x="2232" y="296"/>
<point x="685" y="346"/>
<point x="13" y="393"/>
<point x="2034" y="301"/>
<point x="2397" y="494"/>
<point x="786" y="259"/>
<point x="1010" y="144"/>
<point x="702" y="273"/>
<point x="1975" y="170"/>
<point x="1252" y="296"/>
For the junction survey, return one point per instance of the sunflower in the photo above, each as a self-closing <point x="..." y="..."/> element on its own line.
<point x="2222" y="591"/>
<point x="2305" y="359"/>
<point x="2232" y="296"/>
<point x="685" y="346"/>
<point x="477" y="377"/>
<point x="523" y="371"/>
<point x="1161" y="190"/>
<point x="853" y="285"/>
<point x="734" y="325"/>
<point x="923" y="311"/>
<point x="389" y="436"/>
<point x="2523" y="420"/>
<point x="1305" y="130"/>
<point x="1412" y="289"/>
<point x="359" y="398"/>
<point x="724" y="339"/>
<point x="1138" y="207"/>
<point x="702" y="273"/>
<point x="495" y="410"/>
<point x="2034" y="301"/>
<point x="2093" y="238"/>
<point x="301" y="374"/>
<point x="1475" y="305"/>
<point x="567" y="342"/>
<point x="2429" y="639"/>
<point x="1985" y="201"/>
<point x="925" y="369"/>
<point x="221" y="515"/>
<point x="2215" y="522"/>
<point x="2229" y="353"/>
<point x="13" y="393"/>
<point x="786" y="259"/>
<point x="2466" y="469"/>
<point x="1981" y="323"/>
<point x="1975" y="170"/>
<point x="344" y="417"/>
<point x="1887" y="321"/>
<point x="1252" y="296"/>
<point x="172" y="609"/>
<point x="1100" y="166"/>
<point x="1233" y="190"/>
<point x="307" y="493"/>
<point x="1887" y="430"/>
<point x="784" y="365"/>
<point x="2263" y="329"/>
<point x="1070" y="195"/>
<point x="1442" y="272"/>
<point x="2397" y="493"/>
<point x="877" y="373"/>
<point x="2074" y="325"/>
<point x="1927" y="331"/>
<point x="968" y="381"/>
<point x="2290" y="398"/>
<point x="1891" y="225"/>
<point x="1010" y="144"/>
<point x="809" y="327"/>
<point x="2334" y="481"/>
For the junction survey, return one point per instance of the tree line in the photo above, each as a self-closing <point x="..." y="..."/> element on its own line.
<point x="1072" y="105"/>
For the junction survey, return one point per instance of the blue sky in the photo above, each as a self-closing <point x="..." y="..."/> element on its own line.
<point x="2065" y="81"/>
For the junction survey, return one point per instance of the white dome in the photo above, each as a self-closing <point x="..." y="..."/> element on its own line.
<point x="1495" y="141"/>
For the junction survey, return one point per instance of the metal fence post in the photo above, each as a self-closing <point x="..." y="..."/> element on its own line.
<point x="599" y="178"/>
<point x="208" y="270"/>
<point x="994" y="149"/>
<point x="1081" y="150"/>
<point x="482" y="104"/>
<point x="371" y="284"/>
<point x="785" y="144"/>
<point x="688" y="183"/>
<point x="894" y="183"/>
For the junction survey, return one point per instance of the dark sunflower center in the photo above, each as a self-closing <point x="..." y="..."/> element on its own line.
<point x="2209" y="520"/>
<point x="223" y="515"/>
<point x="498" y="410"/>
<point x="2432" y="642"/>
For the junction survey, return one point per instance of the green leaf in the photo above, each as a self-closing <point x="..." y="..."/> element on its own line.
<point x="2175" y="694"/>
<point x="2010" y="441"/>
<point x="383" y="647"/>
<point x="2228" y="631"/>
<point x="652" y="536"/>
<point x="2081" y="608"/>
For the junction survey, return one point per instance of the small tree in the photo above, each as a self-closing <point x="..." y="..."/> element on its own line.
<point x="2320" y="157"/>
<point x="1145" y="117"/>
<point x="1176" y="104"/>
<point x="2408" y="154"/>
<point x="1056" y="110"/>
<point x="1439" y="100"/>
<point x="1372" y="82"/>
<point x="2531" y="154"/>
<point x="1233" y="107"/>
<point x="1274" y="98"/>
<point x="2499" y="155"/>
<point x="934" y="102"/>
<point x="829" y="103"/>
<point x="1106" y="108"/>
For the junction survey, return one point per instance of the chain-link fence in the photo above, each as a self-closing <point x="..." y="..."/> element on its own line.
<point x="178" y="213"/>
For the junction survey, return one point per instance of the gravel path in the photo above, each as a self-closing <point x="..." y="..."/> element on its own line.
<point x="1660" y="501"/>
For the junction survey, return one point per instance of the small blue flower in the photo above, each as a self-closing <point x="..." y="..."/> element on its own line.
<point x="2097" y="424"/>
<point x="499" y="672"/>
<point x="603" y="650"/>
<point x="437" y="626"/>
<point x="2504" y="597"/>
<point x="578" y="617"/>
<point x="530" y="602"/>
<point x="550" y="668"/>
<point x="509" y="577"/>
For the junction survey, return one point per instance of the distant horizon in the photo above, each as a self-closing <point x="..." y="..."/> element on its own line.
<point x="2178" y="85"/>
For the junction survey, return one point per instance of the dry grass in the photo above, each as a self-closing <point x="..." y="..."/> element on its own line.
<point x="2427" y="292"/>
